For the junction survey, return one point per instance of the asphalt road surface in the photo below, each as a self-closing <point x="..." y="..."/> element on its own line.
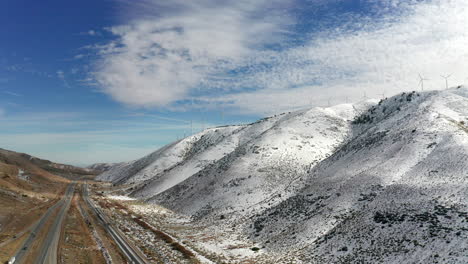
<point x="20" y="254"/>
<point x="48" y="251"/>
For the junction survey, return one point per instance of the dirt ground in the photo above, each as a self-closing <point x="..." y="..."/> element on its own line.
<point x="77" y="244"/>
<point x="23" y="201"/>
<point x="27" y="191"/>
<point x="96" y="229"/>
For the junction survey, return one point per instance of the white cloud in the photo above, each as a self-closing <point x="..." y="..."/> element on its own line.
<point x="162" y="59"/>
<point x="156" y="61"/>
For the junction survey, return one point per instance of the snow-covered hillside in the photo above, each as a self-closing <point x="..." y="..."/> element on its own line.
<point x="262" y="167"/>
<point x="374" y="182"/>
<point x="165" y="158"/>
<point x="101" y="167"/>
<point x="396" y="192"/>
<point x="280" y="148"/>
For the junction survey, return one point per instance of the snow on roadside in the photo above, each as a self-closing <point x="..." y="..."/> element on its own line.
<point x="120" y="198"/>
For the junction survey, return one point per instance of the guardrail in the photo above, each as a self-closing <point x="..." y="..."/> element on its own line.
<point x="128" y="251"/>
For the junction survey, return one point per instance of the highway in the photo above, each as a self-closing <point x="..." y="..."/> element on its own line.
<point x="48" y="251"/>
<point x="130" y="253"/>
<point x="23" y="249"/>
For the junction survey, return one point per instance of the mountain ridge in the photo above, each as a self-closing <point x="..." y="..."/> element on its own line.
<point x="310" y="183"/>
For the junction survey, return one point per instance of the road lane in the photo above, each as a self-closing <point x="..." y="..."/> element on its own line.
<point x="130" y="253"/>
<point x="48" y="251"/>
<point x="24" y="248"/>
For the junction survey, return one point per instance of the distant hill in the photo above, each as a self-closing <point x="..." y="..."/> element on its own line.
<point x="23" y="182"/>
<point x="101" y="167"/>
<point x="64" y="170"/>
<point x="68" y="171"/>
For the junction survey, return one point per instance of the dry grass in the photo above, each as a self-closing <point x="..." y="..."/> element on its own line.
<point x="23" y="200"/>
<point x="77" y="244"/>
<point x="166" y="238"/>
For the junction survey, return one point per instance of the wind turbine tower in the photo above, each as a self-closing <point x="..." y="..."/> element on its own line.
<point x="222" y="115"/>
<point x="383" y="94"/>
<point x="191" y="121"/>
<point x="446" y="80"/>
<point x="421" y="81"/>
<point x="365" y="96"/>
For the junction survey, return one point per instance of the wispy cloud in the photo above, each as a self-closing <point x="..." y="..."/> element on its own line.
<point x="12" y="93"/>
<point x="91" y="32"/>
<point x="25" y="67"/>
<point x="247" y="56"/>
<point x="61" y="76"/>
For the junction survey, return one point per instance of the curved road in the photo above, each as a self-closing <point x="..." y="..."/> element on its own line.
<point x="18" y="257"/>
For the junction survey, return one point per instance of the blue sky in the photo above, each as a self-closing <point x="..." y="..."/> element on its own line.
<point x="106" y="81"/>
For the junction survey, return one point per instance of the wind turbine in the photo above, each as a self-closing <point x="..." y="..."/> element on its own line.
<point x="446" y="80"/>
<point x="222" y="114"/>
<point x="191" y="120"/>
<point x="421" y="81"/>
<point x="383" y="94"/>
<point x="365" y="96"/>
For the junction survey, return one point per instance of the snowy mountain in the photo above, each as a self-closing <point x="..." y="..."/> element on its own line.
<point x="288" y="143"/>
<point x="262" y="166"/>
<point x="374" y="182"/>
<point x="395" y="192"/>
<point x="166" y="157"/>
<point x="101" y="167"/>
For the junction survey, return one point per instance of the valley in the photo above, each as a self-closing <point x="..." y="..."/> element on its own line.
<point x="372" y="182"/>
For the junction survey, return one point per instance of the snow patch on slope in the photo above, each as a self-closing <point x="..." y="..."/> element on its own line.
<point x="164" y="158"/>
